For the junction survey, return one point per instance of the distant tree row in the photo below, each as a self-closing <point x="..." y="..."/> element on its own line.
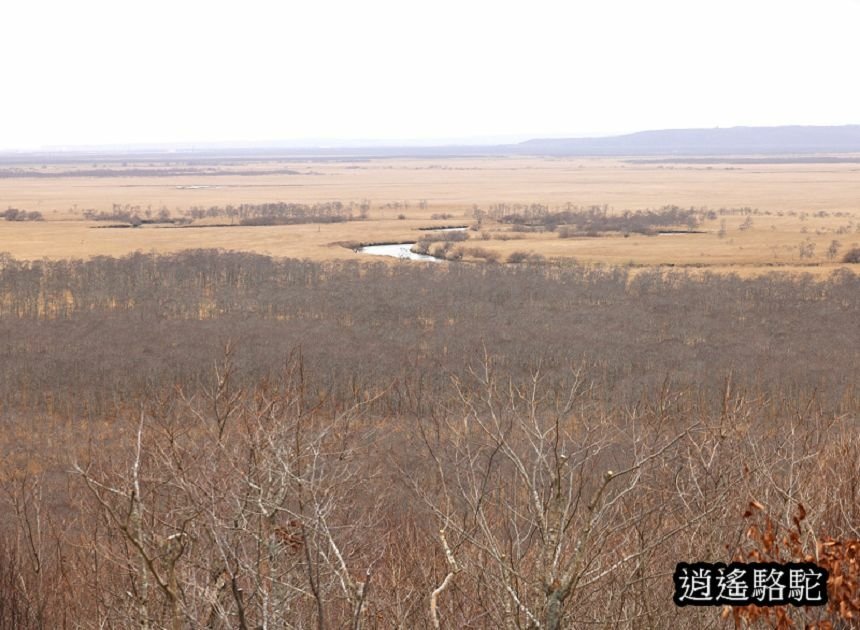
<point x="596" y="219"/>
<point x="279" y="213"/>
<point x="128" y="214"/>
<point x="283" y="213"/>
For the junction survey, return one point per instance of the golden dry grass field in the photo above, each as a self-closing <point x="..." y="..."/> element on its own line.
<point x="797" y="204"/>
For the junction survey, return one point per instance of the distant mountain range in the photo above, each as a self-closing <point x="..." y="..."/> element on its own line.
<point x="733" y="141"/>
<point x="729" y="141"/>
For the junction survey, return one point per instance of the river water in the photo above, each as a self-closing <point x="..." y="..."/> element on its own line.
<point x="404" y="250"/>
<point x="397" y="250"/>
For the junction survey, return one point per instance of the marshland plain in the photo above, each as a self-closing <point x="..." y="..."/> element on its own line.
<point x="752" y="216"/>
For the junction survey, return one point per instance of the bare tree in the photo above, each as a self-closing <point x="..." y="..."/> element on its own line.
<point x="543" y="501"/>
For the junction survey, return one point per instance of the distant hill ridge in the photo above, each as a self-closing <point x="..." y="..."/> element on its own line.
<point x="732" y="141"/>
<point x="717" y="141"/>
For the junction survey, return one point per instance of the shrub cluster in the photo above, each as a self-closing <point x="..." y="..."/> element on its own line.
<point x="852" y="255"/>
<point x="13" y="214"/>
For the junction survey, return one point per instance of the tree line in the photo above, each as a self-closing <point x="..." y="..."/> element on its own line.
<point x="596" y="219"/>
<point x="283" y="213"/>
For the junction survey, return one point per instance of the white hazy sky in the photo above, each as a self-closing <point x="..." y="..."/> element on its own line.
<point x="115" y="71"/>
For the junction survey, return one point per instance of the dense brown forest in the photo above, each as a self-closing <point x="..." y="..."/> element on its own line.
<point x="222" y="440"/>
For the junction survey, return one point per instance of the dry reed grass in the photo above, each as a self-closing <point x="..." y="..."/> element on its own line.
<point x="455" y="186"/>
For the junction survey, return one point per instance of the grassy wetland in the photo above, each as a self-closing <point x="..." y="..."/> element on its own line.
<point x="797" y="216"/>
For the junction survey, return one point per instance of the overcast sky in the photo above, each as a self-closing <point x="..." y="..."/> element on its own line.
<point x="113" y="72"/>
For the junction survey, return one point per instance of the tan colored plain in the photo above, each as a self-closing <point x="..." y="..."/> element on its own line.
<point x="792" y="193"/>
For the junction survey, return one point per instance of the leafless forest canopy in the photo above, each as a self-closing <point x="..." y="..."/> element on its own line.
<point x="227" y="440"/>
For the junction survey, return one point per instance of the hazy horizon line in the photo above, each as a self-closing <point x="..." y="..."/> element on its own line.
<point x="323" y="143"/>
